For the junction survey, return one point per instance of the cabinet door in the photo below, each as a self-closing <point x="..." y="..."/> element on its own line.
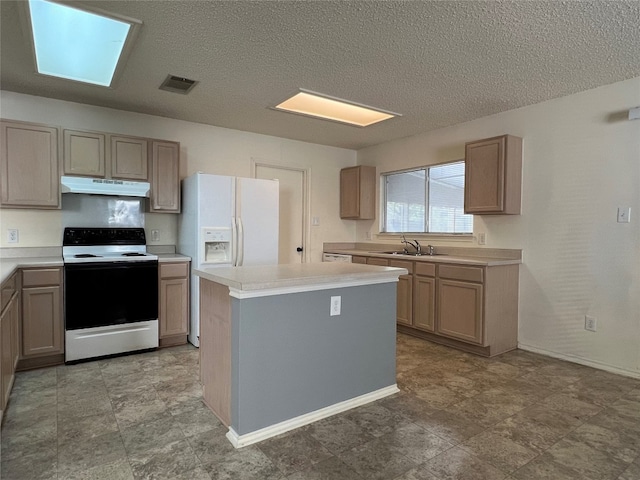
<point x="381" y="262"/>
<point x="129" y="158"/>
<point x="29" y="166"/>
<point x="404" y="302"/>
<point x="357" y="193"/>
<point x="6" y="361"/>
<point x="15" y="329"/>
<point x="174" y="307"/>
<point x="493" y="176"/>
<point x="84" y="153"/>
<point x="42" y="327"/>
<point x="484" y="176"/>
<point x="424" y="301"/>
<point x="460" y="310"/>
<point x="165" y="177"/>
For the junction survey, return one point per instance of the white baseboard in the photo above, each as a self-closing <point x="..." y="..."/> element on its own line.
<point x="250" y="438"/>
<point x="580" y="360"/>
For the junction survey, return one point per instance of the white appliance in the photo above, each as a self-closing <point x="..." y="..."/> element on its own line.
<point x="336" y="257"/>
<point x="103" y="186"/>
<point x="226" y="221"/>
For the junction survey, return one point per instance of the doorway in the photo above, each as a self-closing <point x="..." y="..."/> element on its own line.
<point x="293" y="207"/>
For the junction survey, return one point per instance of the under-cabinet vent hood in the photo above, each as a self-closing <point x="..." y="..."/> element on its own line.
<point x="103" y="186"/>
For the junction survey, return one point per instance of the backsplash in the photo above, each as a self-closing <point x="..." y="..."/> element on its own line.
<point x="80" y="210"/>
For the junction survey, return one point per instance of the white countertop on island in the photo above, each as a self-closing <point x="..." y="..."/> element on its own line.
<point x="260" y="281"/>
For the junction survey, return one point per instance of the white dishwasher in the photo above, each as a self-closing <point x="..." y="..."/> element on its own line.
<point x="336" y="257"/>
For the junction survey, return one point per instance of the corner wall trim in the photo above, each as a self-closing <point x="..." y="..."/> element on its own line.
<point x="240" y="441"/>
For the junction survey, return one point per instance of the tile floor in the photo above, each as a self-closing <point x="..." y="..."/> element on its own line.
<point x="519" y="416"/>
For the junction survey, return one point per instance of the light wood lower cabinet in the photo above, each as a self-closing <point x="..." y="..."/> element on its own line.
<point x="42" y="320"/>
<point x="460" y="310"/>
<point x="357" y="259"/>
<point x="474" y="308"/>
<point x="173" y="311"/>
<point x="9" y="331"/>
<point x="424" y="304"/>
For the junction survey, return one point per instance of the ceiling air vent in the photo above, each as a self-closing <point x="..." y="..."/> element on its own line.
<point x="178" y="84"/>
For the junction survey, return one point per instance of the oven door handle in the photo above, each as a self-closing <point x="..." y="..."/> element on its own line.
<point x="240" y="242"/>
<point x="234" y="242"/>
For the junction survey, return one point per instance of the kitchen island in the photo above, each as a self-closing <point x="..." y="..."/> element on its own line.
<point x="285" y="345"/>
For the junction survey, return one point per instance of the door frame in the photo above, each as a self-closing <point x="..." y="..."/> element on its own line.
<point x="306" y="212"/>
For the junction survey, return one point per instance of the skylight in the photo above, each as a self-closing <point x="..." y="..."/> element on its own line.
<point x="77" y="44"/>
<point x="335" y="109"/>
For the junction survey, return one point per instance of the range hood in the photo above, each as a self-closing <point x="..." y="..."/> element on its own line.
<point x="104" y="186"/>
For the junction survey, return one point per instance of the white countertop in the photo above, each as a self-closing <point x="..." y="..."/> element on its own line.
<point x="172" y="257"/>
<point x="246" y="282"/>
<point x="9" y="265"/>
<point x="447" y="258"/>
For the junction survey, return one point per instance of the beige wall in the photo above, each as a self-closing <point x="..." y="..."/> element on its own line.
<point x="581" y="161"/>
<point x="203" y="148"/>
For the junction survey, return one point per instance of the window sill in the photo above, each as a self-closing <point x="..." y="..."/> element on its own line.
<point x="450" y="237"/>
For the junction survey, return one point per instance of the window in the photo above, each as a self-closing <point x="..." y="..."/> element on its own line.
<point x="426" y="200"/>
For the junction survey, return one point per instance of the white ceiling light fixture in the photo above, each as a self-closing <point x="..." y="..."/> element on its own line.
<point x="77" y="42"/>
<point x="325" y="107"/>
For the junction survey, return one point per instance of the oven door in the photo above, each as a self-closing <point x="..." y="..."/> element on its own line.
<point x="111" y="293"/>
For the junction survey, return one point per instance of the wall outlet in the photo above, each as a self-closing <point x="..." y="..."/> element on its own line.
<point x="368" y="235"/>
<point x="482" y="238"/>
<point x="336" y="304"/>
<point x="590" y="323"/>
<point x="155" y="235"/>
<point x="13" y="235"/>
<point x="623" y="214"/>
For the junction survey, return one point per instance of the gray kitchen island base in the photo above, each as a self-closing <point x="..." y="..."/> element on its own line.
<point x="275" y="359"/>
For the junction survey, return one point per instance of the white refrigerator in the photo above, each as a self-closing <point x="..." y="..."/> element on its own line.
<point x="226" y="221"/>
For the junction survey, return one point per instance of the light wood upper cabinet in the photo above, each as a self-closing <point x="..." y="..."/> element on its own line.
<point x="42" y="321"/>
<point x="129" y="158"/>
<point x="493" y="176"/>
<point x="165" y="177"/>
<point x="29" y="166"/>
<point x="173" y="311"/>
<point x="358" y="193"/>
<point x="84" y="153"/>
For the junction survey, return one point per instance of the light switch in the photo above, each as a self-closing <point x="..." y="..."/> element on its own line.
<point x="624" y="214"/>
<point x="315" y="221"/>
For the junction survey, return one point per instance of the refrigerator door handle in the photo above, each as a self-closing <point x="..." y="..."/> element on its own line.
<point x="240" y="242"/>
<point x="234" y="241"/>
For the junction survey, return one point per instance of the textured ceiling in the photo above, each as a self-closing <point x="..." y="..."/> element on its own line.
<point x="437" y="63"/>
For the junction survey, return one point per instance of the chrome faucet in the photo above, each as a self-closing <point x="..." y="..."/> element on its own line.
<point x="430" y="250"/>
<point x="415" y="244"/>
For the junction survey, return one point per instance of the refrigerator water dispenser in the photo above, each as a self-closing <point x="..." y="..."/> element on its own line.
<point x="216" y="245"/>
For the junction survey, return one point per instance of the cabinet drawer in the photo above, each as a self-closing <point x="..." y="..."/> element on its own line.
<point x="470" y="274"/>
<point x="41" y="277"/>
<point x="355" y="259"/>
<point x="382" y="262"/>
<point x="8" y="289"/>
<point x="402" y="264"/>
<point x="426" y="269"/>
<point x="174" y="270"/>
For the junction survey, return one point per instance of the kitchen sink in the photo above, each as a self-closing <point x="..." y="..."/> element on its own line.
<point x="414" y="254"/>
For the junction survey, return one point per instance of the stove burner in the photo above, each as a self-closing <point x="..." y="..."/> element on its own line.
<point x="134" y="254"/>
<point x="85" y="255"/>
